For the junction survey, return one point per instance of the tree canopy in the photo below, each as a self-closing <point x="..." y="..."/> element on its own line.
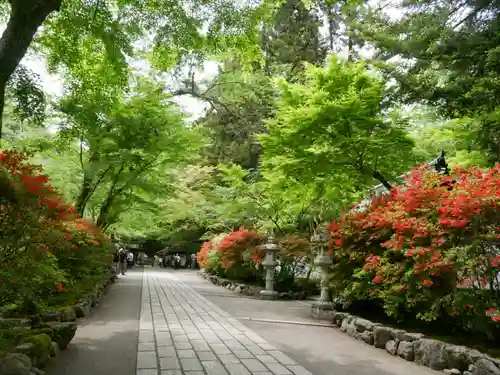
<point x="308" y="107"/>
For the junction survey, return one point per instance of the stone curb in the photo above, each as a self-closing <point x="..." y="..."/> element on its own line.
<point x="29" y="356"/>
<point x="249" y="290"/>
<point x="415" y="347"/>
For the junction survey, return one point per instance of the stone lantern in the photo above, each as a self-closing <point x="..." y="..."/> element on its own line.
<point x="269" y="263"/>
<point x="323" y="308"/>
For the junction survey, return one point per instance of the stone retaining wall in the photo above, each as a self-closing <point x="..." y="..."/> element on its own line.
<point x="438" y="355"/>
<point x="43" y="335"/>
<point x="249" y="290"/>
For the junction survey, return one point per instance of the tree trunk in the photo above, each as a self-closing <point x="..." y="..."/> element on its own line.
<point x="82" y="199"/>
<point x="102" y="220"/>
<point x="26" y="16"/>
<point x="379" y="177"/>
<point x="350" y="49"/>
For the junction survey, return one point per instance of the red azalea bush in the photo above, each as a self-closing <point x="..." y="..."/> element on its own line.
<point x="44" y="248"/>
<point x="429" y="246"/>
<point x="233" y="255"/>
<point x="237" y="255"/>
<point x="238" y="246"/>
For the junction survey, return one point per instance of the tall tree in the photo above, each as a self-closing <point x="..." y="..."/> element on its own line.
<point x="122" y="142"/>
<point x="337" y="124"/>
<point x="26" y="16"/>
<point x="447" y="57"/>
<point x="293" y="38"/>
<point x="116" y="25"/>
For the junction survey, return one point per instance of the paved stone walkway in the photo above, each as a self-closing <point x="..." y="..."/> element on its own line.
<point x="182" y="333"/>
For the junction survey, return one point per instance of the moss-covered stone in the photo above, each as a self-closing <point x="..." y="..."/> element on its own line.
<point x="54" y="349"/>
<point x="51" y="316"/>
<point x="63" y="332"/>
<point x="15" y="364"/>
<point x="11" y="323"/>
<point x="40" y="351"/>
<point x="67" y="314"/>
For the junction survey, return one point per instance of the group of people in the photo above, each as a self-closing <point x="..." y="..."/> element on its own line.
<point x="123" y="260"/>
<point x="164" y="260"/>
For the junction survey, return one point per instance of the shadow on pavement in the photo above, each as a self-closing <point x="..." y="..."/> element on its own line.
<point x="106" y="341"/>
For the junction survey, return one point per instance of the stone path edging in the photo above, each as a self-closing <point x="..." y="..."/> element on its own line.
<point x="249" y="290"/>
<point x="51" y="332"/>
<point x="438" y="355"/>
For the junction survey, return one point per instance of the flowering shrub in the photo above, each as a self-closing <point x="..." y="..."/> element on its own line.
<point x="233" y="255"/>
<point x="429" y="246"/>
<point x="50" y="248"/>
<point x="238" y="246"/>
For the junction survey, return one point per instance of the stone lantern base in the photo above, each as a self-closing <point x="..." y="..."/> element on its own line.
<point x="269" y="295"/>
<point x="322" y="310"/>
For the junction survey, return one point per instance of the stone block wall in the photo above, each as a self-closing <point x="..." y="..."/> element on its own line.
<point x="415" y="347"/>
<point x="42" y="336"/>
<point x="249" y="290"/>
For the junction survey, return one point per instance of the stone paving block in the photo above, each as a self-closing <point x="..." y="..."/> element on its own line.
<point x="267" y="346"/>
<point x="191" y="364"/>
<point x="147" y="372"/>
<point x="194" y="336"/>
<point x="194" y="373"/>
<point x="200" y="345"/>
<point x="255" y="350"/>
<point x="243" y="354"/>
<point x="237" y="369"/>
<point x="214" y="368"/>
<point x="166" y="351"/>
<point x="146" y="360"/>
<point x="145" y="325"/>
<point x="234" y="345"/>
<point x="299" y="370"/>
<point x="188" y="353"/>
<point x="212" y="339"/>
<point x="163" y="335"/>
<point x="164" y="342"/>
<point x="179" y="338"/>
<point x="266" y="358"/>
<point x="283" y="359"/>
<point x="278" y="369"/>
<point x="182" y="345"/>
<point x="206" y="356"/>
<point x="228" y="359"/>
<point x="170" y="363"/>
<point x="220" y="349"/>
<point x="254" y="337"/>
<point x="146" y="336"/>
<point x="171" y="372"/>
<point x="254" y="365"/>
<point x="146" y="347"/>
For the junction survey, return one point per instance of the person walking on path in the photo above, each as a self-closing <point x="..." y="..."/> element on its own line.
<point x="123" y="261"/>
<point x="193" y="260"/>
<point x="177" y="260"/>
<point x="116" y="263"/>
<point x="130" y="260"/>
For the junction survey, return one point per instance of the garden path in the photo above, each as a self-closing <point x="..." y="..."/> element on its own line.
<point x="187" y="326"/>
